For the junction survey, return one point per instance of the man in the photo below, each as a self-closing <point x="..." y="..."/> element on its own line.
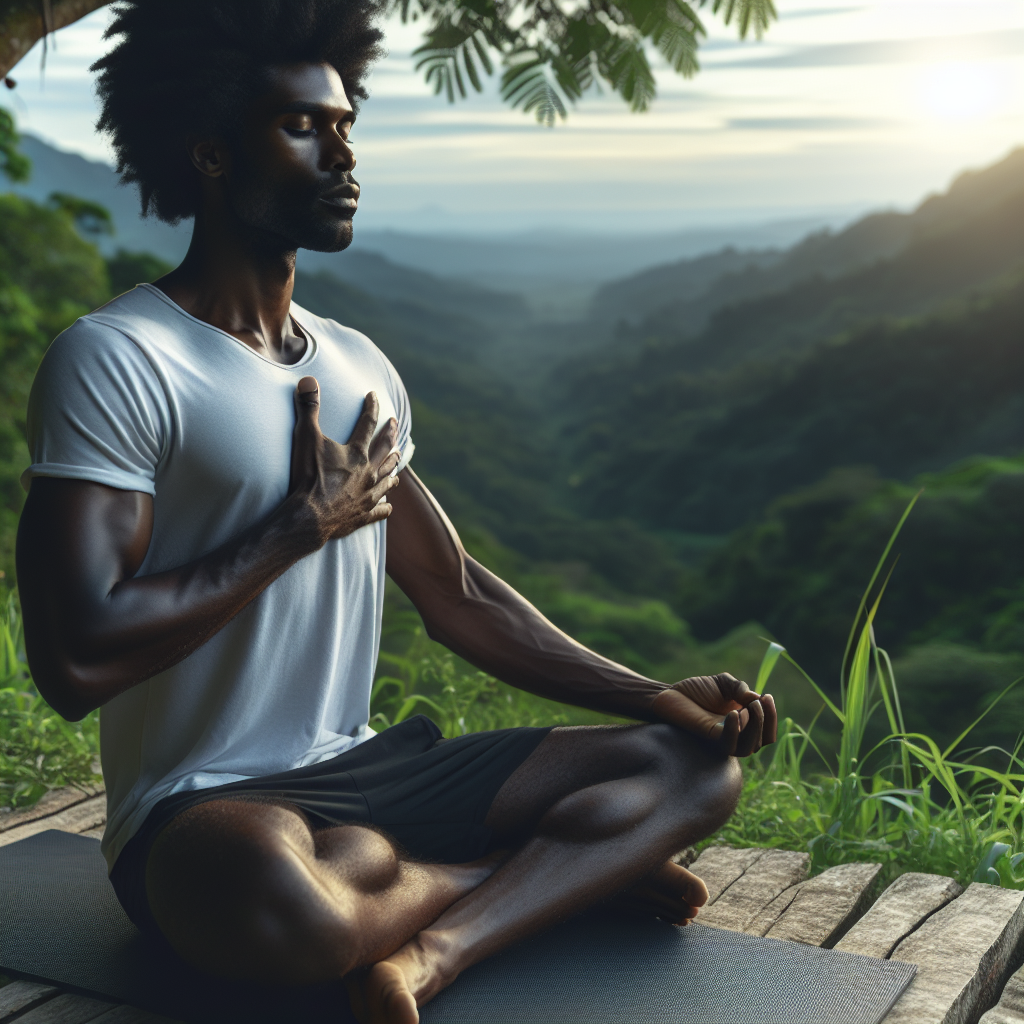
<point x="202" y="558"/>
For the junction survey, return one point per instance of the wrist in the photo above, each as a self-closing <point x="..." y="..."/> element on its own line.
<point x="299" y="522"/>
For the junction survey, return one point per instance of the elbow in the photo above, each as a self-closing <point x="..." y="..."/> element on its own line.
<point x="66" y="686"/>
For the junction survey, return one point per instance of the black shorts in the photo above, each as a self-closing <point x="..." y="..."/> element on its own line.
<point x="429" y="794"/>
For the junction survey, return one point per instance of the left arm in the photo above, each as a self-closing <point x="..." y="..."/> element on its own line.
<point x="482" y="619"/>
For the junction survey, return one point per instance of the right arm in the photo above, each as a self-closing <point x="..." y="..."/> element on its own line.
<point x="93" y="629"/>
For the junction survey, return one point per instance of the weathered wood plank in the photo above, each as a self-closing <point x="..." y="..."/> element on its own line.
<point x="77" y="818"/>
<point x="131" y="1015"/>
<point x="1010" y="1008"/>
<point x="719" y="866"/>
<point x="66" y="1009"/>
<point x="741" y="903"/>
<point x="93" y="833"/>
<point x="52" y="802"/>
<point x="819" y="911"/>
<point x="20" y="996"/>
<point x="963" y="953"/>
<point x="901" y="909"/>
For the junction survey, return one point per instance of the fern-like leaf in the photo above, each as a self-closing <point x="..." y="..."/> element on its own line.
<point x="625" y="65"/>
<point x="757" y="13"/>
<point x="525" y="84"/>
<point x="440" y="56"/>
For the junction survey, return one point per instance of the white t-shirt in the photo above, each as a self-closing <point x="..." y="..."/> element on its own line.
<point x="142" y="396"/>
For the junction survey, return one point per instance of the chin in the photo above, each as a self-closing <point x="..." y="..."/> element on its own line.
<point x="328" y="237"/>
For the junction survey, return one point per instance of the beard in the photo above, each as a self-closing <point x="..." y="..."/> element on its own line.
<point x="293" y="213"/>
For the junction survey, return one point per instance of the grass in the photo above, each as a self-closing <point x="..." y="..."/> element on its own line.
<point x="902" y="800"/>
<point x="38" y="749"/>
<point x="860" y="787"/>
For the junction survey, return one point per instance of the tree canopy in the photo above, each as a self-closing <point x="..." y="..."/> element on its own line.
<point x="550" y="52"/>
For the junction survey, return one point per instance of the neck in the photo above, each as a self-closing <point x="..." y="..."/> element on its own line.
<point x="240" y="281"/>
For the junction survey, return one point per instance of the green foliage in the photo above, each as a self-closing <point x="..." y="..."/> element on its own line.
<point x="38" y="749"/>
<point x="91" y="219"/>
<point x="553" y="53"/>
<point x="711" y="448"/>
<point x="127" y="269"/>
<point x="42" y="253"/>
<point x="13" y="163"/>
<point x="905" y="801"/>
<point x="49" y="276"/>
<point x="958" y="580"/>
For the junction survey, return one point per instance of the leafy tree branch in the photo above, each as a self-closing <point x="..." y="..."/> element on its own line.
<point x="551" y="52"/>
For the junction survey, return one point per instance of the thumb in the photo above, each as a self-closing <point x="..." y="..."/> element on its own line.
<point x="307" y="403"/>
<point x="676" y="708"/>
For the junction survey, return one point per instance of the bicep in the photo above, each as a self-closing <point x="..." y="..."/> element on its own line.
<point x="76" y="541"/>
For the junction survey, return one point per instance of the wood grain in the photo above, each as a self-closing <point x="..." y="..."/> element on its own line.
<point x="52" y="802"/>
<point x="963" y="954"/>
<point x="20" y="996"/>
<point x="741" y="904"/>
<point x="819" y="911"/>
<point x="78" y="818"/>
<point x="900" y="910"/>
<point x="66" y="1008"/>
<point x="1010" y="1008"/>
<point x="719" y="866"/>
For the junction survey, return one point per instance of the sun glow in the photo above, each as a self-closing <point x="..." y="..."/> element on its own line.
<point x="960" y="92"/>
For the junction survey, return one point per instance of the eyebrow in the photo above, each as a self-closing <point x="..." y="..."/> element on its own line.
<point x="304" y="107"/>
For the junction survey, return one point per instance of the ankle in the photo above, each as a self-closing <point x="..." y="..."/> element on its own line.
<point x="428" y="962"/>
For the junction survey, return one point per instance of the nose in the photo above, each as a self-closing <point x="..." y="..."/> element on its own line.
<point x="342" y="158"/>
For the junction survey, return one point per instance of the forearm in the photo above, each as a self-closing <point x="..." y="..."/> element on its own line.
<point x="485" y="621"/>
<point x="93" y="642"/>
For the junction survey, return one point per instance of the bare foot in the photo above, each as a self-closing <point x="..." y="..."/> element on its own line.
<point x="382" y="996"/>
<point x="671" y="893"/>
<point x="392" y="989"/>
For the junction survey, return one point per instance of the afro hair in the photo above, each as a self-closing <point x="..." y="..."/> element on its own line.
<point x="191" y="67"/>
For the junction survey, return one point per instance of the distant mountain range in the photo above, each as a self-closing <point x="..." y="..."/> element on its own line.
<point x="536" y="263"/>
<point x="897" y="343"/>
<point x="709" y="384"/>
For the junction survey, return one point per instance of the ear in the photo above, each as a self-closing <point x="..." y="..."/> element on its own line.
<point x="207" y="156"/>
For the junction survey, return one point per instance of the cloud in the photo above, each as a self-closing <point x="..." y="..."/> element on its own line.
<point x="974" y="46"/>
<point x="805" y="124"/>
<point x="818" y="12"/>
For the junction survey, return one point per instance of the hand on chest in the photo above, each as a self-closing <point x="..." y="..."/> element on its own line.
<point x="234" y="438"/>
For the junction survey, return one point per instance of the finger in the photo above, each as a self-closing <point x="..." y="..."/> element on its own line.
<point x="771" y="719"/>
<point x="389" y="465"/>
<point x="307" y="402"/>
<point x="749" y="740"/>
<point x="366" y="424"/>
<point x="730" y="732"/>
<point x="379" y="512"/>
<point x="384" y="442"/>
<point x="382" y="487"/>
<point x="733" y="689"/>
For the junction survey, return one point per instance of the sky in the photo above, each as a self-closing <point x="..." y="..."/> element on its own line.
<point x="842" y="107"/>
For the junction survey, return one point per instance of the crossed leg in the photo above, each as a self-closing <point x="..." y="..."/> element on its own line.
<point x="249" y="891"/>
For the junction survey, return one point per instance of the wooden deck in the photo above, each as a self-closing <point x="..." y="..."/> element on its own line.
<point x="966" y="943"/>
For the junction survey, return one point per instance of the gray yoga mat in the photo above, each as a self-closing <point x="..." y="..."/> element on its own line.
<point x="61" y="923"/>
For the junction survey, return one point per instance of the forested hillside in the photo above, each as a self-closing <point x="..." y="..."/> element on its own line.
<point x="718" y="452"/>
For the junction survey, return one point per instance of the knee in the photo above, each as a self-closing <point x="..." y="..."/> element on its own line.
<point x="705" y="781"/>
<point x="251" y="904"/>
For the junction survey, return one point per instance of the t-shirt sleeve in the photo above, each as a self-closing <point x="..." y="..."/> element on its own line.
<point x="403" y="413"/>
<point x="97" y="411"/>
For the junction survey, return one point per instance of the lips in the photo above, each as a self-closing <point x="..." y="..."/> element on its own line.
<point x="345" y="198"/>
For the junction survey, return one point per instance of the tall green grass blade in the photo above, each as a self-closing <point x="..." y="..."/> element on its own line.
<point x="867" y="590"/>
<point x="768" y="662"/>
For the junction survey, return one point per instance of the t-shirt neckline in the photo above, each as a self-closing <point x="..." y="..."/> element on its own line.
<point x="307" y="356"/>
